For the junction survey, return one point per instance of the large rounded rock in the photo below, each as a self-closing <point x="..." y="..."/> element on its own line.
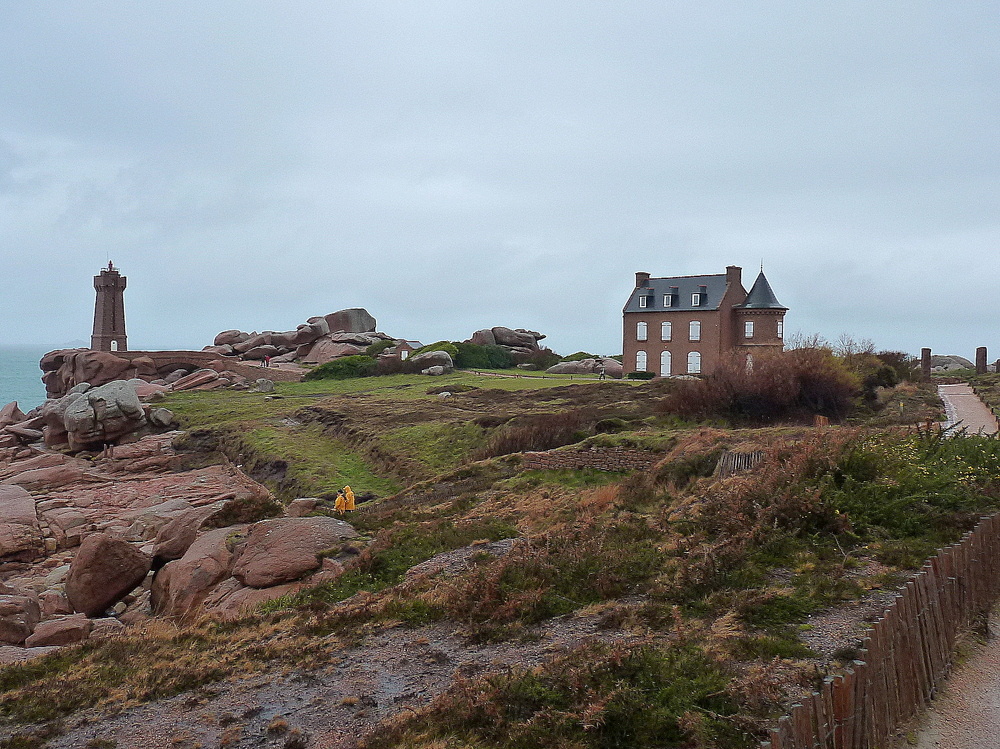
<point x="284" y="549"/>
<point x="20" y="534"/>
<point x="66" y="368"/>
<point x="65" y="630"/>
<point x="519" y="338"/>
<point x="257" y="353"/>
<point x="103" y="414"/>
<point x="354" y="320"/>
<point x="484" y="337"/>
<point x="181" y="586"/>
<point x="432" y="359"/>
<point x="230" y="337"/>
<point x="325" y="350"/>
<point x="103" y="572"/>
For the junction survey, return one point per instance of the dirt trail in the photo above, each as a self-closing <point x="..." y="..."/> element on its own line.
<point x="965" y="410"/>
<point x="966" y="715"/>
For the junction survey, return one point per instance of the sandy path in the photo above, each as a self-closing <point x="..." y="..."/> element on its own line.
<point x="966" y="715"/>
<point x="965" y="410"/>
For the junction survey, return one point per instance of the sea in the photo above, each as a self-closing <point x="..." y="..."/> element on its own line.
<point x="20" y="377"/>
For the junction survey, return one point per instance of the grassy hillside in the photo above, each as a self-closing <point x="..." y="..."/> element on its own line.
<point x="704" y="587"/>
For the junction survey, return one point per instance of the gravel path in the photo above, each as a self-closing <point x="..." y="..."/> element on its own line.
<point x="967" y="713"/>
<point x="964" y="410"/>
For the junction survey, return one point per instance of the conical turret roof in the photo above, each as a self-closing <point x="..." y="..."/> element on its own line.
<point x="761" y="296"/>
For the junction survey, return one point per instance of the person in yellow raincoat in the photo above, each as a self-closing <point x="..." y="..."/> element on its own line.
<point x="340" y="504"/>
<point x="349" y="497"/>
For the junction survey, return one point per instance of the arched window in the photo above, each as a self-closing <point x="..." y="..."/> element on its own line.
<point x="640" y="331"/>
<point x="694" y="363"/>
<point x="665" y="329"/>
<point x="114" y="345"/>
<point x="640" y="361"/>
<point x="694" y="331"/>
<point x="665" y="364"/>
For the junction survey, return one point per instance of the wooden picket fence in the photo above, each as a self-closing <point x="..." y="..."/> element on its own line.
<point x="906" y="655"/>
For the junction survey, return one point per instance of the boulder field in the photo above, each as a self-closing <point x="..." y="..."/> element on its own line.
<point x="89" y="547"/>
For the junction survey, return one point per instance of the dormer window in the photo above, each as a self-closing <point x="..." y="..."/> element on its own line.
<point x="668" y="300"/>
<point x="696" y="300"/>
<point x="642" y="301"/>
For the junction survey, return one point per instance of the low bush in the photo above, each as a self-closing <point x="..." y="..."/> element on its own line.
<point x="345" y="368"/>
<point x="789" y="385"/>
<point x="378" y="347"/>
<point x="536" y="433"/>
<point x="580" y="356"/>
<point x="641" y="375"/>
<point x="447" y="346"/>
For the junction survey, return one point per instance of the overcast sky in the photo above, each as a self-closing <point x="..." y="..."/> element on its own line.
<point x="456" y="165"/>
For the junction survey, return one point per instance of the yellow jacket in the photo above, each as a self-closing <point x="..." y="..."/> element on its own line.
<point x="349" y="494"/>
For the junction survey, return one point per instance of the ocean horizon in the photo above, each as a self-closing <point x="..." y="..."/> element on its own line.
<point x="20" y="376"/>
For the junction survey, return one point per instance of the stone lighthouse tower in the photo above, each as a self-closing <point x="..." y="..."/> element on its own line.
<point x="109" y="311"/>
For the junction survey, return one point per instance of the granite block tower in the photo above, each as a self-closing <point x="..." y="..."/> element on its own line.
<point x="109" y="311"/>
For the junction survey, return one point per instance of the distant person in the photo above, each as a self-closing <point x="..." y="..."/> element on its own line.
<point x="341" y="502"/>
<point x="602" y="372"/>
<point x="267" y="361"/>
<point x="349" y="498"/>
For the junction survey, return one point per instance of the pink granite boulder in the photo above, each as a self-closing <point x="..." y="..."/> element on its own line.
<point x="103" y="572"/>
<point x="284" y="549"/>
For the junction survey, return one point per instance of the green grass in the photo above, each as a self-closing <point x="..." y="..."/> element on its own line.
<point x="317" y="463"/>
<point x="438" y="446"/>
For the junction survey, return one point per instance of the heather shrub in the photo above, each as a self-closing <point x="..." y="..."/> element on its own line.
<point x="536" y="433"/>
<point x="789" y="385"/>
<point x="345" y="368"/>
<point x="378" y="347"/>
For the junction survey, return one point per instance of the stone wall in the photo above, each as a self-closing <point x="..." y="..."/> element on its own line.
<point x="600" y="458"/>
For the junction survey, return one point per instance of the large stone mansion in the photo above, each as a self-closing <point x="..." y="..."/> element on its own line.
<point x="688" y="324"/>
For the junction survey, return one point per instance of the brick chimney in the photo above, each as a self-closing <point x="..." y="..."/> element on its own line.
<point x="734" y="274"/>
<point x="641" y="279"/>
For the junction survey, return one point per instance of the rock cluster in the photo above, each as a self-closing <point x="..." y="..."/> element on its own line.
<point x="612" y="367"/>
<point x="316" y="341"/>
<point x="949" y="363"/>
<point x="86" y="418"/>
<point x="90" y="547"/>
<point x="520" y="342"/>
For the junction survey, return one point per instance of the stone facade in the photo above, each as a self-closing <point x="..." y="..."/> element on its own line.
<point x="688" y="324"/>
<point x="109" y="311"/>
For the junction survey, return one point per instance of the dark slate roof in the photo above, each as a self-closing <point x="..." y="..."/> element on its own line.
<point x="761" y="296"/>
<point x="715" y="287"/>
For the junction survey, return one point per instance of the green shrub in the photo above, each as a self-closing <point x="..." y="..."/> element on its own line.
<point x="447" y="346"/>
<point x="580" y="356"/>
<point x="378" y="347"/>
<point x="474" y="356"/>
<point x="345" y="368"/>
<point x="641" y="375"/>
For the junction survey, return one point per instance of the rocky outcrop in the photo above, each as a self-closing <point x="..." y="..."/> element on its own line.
<point x="284" y="549"/>
<point x="103" y="414"/>
<point x="519" y="341"/>
<point x="103" y="572"/>
<point x="18" y="616"/>
<point x="612" y="367"/>
<point x="63" y="630"/>
<point x="20" y="534"/>
<point x="181" y="586"/>
<point x="949" y="363"/>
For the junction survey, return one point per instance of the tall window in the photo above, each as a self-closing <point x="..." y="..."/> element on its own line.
<point x="694" y="363"/>
<point x="696" y="300"/>
<point x="694" y="331"/>
<point x="665" y="329"/>
<point x="640" y="361"/>
<point x="748" y="329"/>
<point x="781" y="328"/>
<point x="668" y="300"/>
<point x="642" y="301"/>
<point x="665" y="364"/>
<point x="640" y="331"/>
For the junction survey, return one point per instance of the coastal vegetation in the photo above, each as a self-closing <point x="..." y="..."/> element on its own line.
<point x="701" y="587"/>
